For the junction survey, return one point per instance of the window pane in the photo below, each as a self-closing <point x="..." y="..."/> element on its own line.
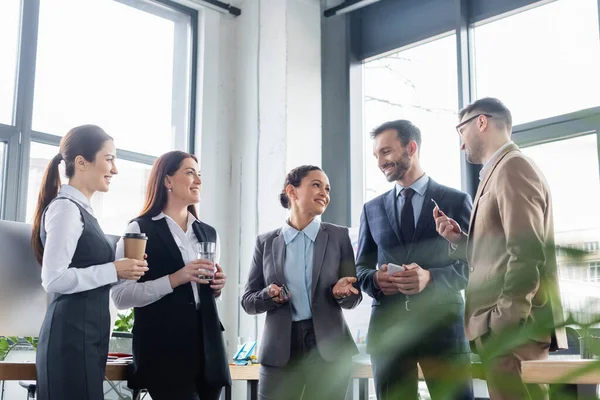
<point x="541" y="62"/>
<point x="418" y="84"/>
<point x="127" y="79"/>
<point x="573" y="196"/>
<point x="10" y="15"/>
<point x="114" y="209"/>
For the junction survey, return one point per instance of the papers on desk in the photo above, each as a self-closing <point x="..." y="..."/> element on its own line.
<point x="119" y="358"/>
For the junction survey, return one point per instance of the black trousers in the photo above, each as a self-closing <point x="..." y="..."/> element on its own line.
<point x="198" y="392"/>
<point x="307" y="376"/>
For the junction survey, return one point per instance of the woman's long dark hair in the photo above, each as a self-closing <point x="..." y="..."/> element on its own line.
<point x="85" y="141"/>
<point x="156" y="192"/>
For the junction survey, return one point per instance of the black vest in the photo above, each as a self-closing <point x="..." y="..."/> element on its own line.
<point x="172" y="340"/>
<point x="73" y="341"/>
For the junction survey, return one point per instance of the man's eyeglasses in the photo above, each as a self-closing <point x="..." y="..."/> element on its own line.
<point x="462" y="124"/>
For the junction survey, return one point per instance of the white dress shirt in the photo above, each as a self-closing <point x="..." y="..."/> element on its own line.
<point x="130" y="293"/>
<point x="62" y="228"/>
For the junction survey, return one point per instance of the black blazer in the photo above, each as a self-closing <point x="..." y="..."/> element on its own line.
<point x="380" y="242"/>
<point x="170" y="335"/>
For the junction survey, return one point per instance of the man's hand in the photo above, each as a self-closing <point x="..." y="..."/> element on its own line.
<point x="383" y="281"/>
<point x="447" y="227"/>
<point x="412" y="280"/>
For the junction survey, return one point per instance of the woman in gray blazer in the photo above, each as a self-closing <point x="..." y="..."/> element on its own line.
<point x="302" y="275"/>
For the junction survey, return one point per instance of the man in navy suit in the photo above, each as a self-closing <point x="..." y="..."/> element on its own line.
<point x="417" y="314"/>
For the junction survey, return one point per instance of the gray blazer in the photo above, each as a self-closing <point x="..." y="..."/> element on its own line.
<point x="333" y="259"/>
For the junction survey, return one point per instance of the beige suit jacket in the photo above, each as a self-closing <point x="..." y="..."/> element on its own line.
<point x="513" y="282"/>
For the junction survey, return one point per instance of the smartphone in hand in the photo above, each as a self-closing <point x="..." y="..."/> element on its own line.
<point x="393" y="268"/>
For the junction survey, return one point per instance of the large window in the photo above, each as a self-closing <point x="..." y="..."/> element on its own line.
<point x="123" y="65"/>
<point x="575" y="191"/>
<point x="128" y="79"/>
<point x="418" y="84"/>
<point x="9" y="32"/>
<point x="570" y="206"/>
<point x="541" y="62"/>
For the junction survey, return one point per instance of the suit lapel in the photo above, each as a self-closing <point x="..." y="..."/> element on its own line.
<point x="485" y="180"/>
<point x="278" y="251"/>
<point x="198" y="232"/>
<point x="165" y="235"/>
<point x="389" y="203"/>
<point x="318" y="256"/>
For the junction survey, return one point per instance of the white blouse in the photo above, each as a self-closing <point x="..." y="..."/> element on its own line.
<point x="130" y="293"/>
<point x="63" y="226"/>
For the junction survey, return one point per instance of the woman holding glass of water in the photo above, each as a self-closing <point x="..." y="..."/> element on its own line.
<point x="178" y="346"/>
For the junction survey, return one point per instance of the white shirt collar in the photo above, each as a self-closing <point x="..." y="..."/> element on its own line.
<point x="190" y="221"/>
<point x="489" y="162"/>
<point x="74" y="194"/>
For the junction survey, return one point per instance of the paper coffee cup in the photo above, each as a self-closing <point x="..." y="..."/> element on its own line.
<point x="135" y="245"/>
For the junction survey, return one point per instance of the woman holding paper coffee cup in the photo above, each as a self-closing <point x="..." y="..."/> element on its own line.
<point x="78" y="268"/>
<point x="302" y="275"/>
<point x="178" y="348"/>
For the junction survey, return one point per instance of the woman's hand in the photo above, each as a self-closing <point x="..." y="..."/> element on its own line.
<point x="130" y="269"/>
<point x="343" y="288"/>
<point x="190" y="273"/>
<point x="219" y="280"/>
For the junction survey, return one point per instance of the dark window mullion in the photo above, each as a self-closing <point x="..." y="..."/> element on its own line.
<point x="18" y="145"/>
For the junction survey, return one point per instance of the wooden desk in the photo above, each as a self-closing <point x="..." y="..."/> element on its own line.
<point x="562" y="371"/>
<point x="249" y="373"/>
<point x="584" y="373"/>
<point x="118" y="372"/>
<point x="26" y="371"/>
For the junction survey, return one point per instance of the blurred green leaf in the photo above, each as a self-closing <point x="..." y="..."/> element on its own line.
<point x="124" y="322"/>
<point x="4" y="348"/>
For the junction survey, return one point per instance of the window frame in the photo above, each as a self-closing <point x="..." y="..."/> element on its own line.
<point x="19" y="136"/>
<point x="534" y="132"/>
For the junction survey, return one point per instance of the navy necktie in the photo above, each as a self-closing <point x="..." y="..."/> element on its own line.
<point x="407" y="216"/>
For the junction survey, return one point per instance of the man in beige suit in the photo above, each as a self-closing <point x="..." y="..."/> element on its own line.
<point x="512" y="298"/>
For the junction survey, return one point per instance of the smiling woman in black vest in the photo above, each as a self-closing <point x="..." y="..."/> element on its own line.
<point x="78" y="268"/>
<point x="178" y="347"/>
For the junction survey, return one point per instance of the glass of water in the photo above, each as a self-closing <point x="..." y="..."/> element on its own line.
<point x="206" y="251"/>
